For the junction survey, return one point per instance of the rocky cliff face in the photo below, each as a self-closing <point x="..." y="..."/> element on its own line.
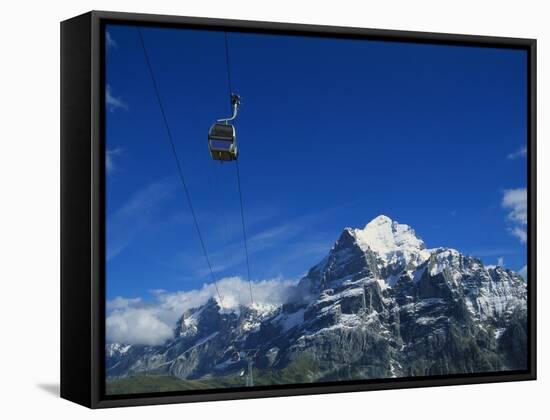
<point x="379" y="305"/>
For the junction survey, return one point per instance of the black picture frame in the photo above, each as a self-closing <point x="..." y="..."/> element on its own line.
<point x="83" y="210"/>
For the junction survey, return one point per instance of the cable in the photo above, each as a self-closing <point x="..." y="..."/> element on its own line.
<point x="178" y="164"/>
<point x="244" y="230"/>
<point x="228" y="67"/>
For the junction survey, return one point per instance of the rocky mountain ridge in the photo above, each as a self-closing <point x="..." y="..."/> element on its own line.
<point x="379" y="305"/>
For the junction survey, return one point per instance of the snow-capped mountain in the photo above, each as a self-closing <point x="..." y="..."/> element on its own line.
<point x="380" y="304"/>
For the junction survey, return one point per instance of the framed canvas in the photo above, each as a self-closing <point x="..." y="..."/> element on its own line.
<point x="254" y="209"/>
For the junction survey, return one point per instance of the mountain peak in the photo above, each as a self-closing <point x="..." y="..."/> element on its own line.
<point x="346" y="310"/>
<point x="380" y="221"/>
<point x="384" y="236"/>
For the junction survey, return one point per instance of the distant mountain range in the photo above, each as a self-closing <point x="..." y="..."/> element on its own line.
<point x="379" y="305"/>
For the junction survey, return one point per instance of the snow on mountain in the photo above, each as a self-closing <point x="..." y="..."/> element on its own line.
<point x="396" y="246"/>
<point x="390" y="239"/>
<point x="384" y="249"/>
<point x="117" y="349"/>
<point x="380" y="302"/>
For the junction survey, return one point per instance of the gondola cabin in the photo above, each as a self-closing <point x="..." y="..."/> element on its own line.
<point x="222" y="142"/>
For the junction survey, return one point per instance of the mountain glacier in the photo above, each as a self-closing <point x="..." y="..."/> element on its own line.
<point x="379" y="305"/>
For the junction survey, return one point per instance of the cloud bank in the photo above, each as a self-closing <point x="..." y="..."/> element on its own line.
<point x="133" y="321"/>
<point x="515" y="201"/>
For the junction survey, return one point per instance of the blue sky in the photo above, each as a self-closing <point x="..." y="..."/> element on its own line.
<point x="332" y="133"/>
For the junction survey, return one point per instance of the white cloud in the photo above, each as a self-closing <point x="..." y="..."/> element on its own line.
<point x="113" y="102"/>
<point x="235" y="291"/>
<point x="515" y="201"/>
<point x="523" y="272"/>
<point x="520" y="153"/>
<point x="109" y="41"/>
<point x="133" y="321"/>
<point x="520" y="233"/>
<point x="109" y="159"/>
<point x="137" y="326"/>
<point x="122" y="303"/>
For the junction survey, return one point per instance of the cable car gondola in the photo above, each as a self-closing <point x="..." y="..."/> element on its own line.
<point x="222" y="139"/>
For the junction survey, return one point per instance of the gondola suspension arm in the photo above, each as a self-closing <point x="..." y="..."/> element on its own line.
<point x="235" y="103"/>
